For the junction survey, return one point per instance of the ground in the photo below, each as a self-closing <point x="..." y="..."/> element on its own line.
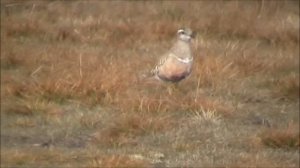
<point x="73" y="93"/>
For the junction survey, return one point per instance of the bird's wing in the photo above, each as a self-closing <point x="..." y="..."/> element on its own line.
<point x="160" y="63"/>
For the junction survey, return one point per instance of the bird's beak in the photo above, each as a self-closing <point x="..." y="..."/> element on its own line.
<point x="193" y="35"/>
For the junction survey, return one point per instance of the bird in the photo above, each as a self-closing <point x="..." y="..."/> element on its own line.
<point x="176" y="64"/>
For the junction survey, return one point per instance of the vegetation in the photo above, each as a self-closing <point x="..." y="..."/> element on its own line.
<point x="72" y="91"/>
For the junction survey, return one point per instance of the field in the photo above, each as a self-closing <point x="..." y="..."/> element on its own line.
<point x="73" y="92"/>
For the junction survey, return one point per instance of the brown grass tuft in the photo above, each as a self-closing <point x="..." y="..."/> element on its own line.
<point x="288" y="86"/>
<point x="11" y="87"/>
<point x="127" y="127"/>
<point x="249" y="64"/>
<point x="282" y="138"/>
<point x="45" y="157"/>
<point x="118" y="161"/>
<point x="19" y="109"/>
<point x="10" y="60"/>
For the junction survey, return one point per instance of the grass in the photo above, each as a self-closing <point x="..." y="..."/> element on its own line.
<point x="288" y="86"/>
<point x="282" y="138"/>
<point x="127" y="127"/>
<point x="72" y="91"/>
<point x="118" y="161"/>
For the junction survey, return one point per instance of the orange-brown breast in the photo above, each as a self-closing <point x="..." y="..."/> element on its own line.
<point x="174" y="70"/>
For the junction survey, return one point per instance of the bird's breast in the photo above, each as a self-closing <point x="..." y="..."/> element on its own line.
<point x="175" y="70"/>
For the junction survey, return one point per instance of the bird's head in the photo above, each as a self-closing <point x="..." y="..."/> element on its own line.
<point x="185" y="34"/>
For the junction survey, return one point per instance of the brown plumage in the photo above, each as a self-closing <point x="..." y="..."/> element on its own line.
<point x="176" y="64"/>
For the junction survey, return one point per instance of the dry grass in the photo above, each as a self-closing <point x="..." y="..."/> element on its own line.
<point x="282" y="138"/>
<point x="19" y="158"/>
<point x="289" y="86"/>
<point x="125" y="129"/>
<point x="71" y="70"/>
<point x="118" y="161"/>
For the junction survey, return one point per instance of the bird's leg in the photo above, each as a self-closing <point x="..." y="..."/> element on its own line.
<point x="172" y="87"/>
<point x="175" y="86"/>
